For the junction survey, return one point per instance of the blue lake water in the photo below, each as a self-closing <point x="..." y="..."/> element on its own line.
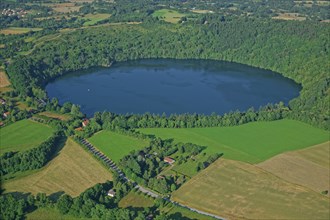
<point x="172" y="86"/>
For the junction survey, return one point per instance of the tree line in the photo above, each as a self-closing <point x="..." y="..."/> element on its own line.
<point x="298" y="50"/>
<point x="35" y="158"/>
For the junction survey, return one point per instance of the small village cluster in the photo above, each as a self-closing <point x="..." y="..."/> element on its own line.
<point x="20" y="13"/>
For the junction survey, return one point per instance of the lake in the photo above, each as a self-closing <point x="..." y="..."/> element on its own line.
<point x="172" y="86"/>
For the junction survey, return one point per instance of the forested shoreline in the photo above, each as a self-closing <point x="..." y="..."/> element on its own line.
<point x="297" y="50"/>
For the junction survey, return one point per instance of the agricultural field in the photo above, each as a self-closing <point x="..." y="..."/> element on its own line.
<point x="18" y="30"/>
<point x="64" y="7"/>
<point x="115" y="145"/>
<point x="168" y="15"/>
<point x="49" y="213"/>
<point x="179" y="213"/>
<point x="136" y="200"/>
<point x="23" y="135"/>
<point x="290" y="16"/>
<point x="62" y="117"/>
<point x="238" y="190"/>
<point x="4" y="81"/>
<point x="253" y="142"/>
<point x="94" y="18"/>
<point x="65" y="173"/>
<point x="201" y="11"/>
<point x="309" y="167"/>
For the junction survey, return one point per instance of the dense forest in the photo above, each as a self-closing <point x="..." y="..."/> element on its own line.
<point x="298" y="50"/>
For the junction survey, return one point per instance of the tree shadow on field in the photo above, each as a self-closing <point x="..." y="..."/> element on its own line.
<point x="179" y="216"/>
<point x="59" y="146"/>
<point x="18" y="195"/>
<point x="55" y="196"/>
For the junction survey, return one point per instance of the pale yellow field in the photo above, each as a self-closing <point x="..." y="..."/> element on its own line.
<point x="308" y="167"/>
<point x="4" y="81"/>
<point x="290" y="16"/>
<point x="202" y="11"/>
<point x="72" y="171"/>
<point x="237" y="190"/>
<point x="56" y="115"/>
<point x="64" y="7"/>
<point x="18" y="30"/>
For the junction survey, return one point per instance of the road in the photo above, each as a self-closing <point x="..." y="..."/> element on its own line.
<point x="115" y="168"/>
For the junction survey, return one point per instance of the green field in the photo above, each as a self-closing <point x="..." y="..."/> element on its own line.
<point x="252" y="142"/>
<point x="136" y="200"/>
<point x="23" y="135"/>
<point x="94" y="18"/>
<point x="18" y="30"/>
<point x="168" y="15"/>
<point x="115" y="145"/>
<point x="49" y="213"/>
<point x="178" y="213"/>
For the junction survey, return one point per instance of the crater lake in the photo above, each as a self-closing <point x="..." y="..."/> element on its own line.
<point x="172" y="86"/>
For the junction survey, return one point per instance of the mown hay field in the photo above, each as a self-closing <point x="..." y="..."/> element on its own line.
<point x="4" y="81"/>
<point x="237" y="190"/>
<point x="72" y="171"/>
<point x="309" y="167"/>
<point x="18" y="30"/>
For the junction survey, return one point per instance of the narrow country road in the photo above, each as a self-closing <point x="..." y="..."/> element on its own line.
<point x="114" y="167"/>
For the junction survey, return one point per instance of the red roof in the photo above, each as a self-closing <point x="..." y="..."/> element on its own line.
<point x="85" y="122"/>
<point x="169" y="160"/>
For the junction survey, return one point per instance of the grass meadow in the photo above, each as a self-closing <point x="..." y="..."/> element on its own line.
<point x="23" y="135"/>
<point x="168" y="15"/>
<point x="67" y="173"/>
<point x="136" y="200"/>
<point x="252" y="142"/>
<point x="115" y="145"/>
<point x="49" y="213"/>
<point x="94" y="18"/>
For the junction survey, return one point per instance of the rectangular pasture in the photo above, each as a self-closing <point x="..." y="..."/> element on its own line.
<point x="62" y="117"/>
<point x="49" y="213"/>
<point x="23" y="135"/>
<point x="18" y="30"/>
<point x="94" y="18"/>
<point x="168" y="15"/>
<point x="4" y="81"/>
<point x="237" y="190"/>
<point x="252" y="142"/>
<point x="67" y="172"/>
<point x="308" y="167"/>
<point x="115" y="145"/>
<point x="136" y="200"/>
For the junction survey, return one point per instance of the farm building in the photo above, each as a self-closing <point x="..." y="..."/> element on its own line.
<point x="111" y="193"/>
<point x="169" y="160"/>
<point x="85" y="122"/>
<point x="6" y="114"/>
